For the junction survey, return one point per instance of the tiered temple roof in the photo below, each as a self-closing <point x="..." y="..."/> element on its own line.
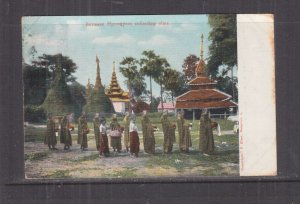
<point x="114" y="92"/>
<point x="203" y="92"/>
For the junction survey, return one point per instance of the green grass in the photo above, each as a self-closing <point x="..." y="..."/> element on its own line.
<point x="36" y="156"/>
<point x="193" y="159"/>
<point x="225" y="124"/>
<point x="175" y="160"/>
<point x="226" y="151"/>
<point x="86" y="158"/>
<point x="60" y="174"/>
<point x="33" y="134"/>
<point x="127" y="172"/>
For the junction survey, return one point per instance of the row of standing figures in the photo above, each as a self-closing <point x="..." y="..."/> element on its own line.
<point x="130" y="134"/>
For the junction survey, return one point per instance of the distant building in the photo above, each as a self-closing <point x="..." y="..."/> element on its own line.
<point x="203" y="93"/>
<point x="166" y="107"/>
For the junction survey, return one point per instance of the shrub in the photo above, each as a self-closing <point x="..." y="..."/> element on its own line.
<point x="33" y="113"/>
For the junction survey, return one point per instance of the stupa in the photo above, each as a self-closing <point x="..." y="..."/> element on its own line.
<point x="97" y="100"/>
<point x="59" y="99"/>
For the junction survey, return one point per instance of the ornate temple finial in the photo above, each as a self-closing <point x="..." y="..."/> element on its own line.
<point x="201" y="49"/>
<point x="97" y="59"/>
<point x="200" y="68"/>
<point x="98" y="67"/>
<point x="98" y="79"/>
<point x="114" y="89"/>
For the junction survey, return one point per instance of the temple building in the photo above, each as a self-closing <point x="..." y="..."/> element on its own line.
<point x="202" y="93"/>
<point x="119" y="97"/>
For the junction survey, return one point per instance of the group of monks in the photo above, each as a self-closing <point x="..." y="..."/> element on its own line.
<point x="130" y="134"/>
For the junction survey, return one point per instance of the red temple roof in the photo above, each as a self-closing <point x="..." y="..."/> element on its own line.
<point x="203" y="94"/>
<point x="201" y="105"/>
<point x="201" y="81"/>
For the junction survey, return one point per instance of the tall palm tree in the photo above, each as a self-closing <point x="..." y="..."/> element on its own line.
<point x="172" y="81"/>
<point x="135" y="81"/>
<point x="161" y="64"/>
<point x="151" y="66"/>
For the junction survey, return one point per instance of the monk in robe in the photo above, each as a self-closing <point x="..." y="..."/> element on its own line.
<point x="168" y="130"/>
<point x="145" y="121"/>
<point x="187" y="141"/>
<point x="84" y="130"/>
<point x="184" y="134"/>
<point x="148" y="134"/>
<point x="96" y="124"/>
<point x="180" y="123"/>
<point x="50" y="137"/>
<point x="206" y="144"/>
<point x="115" y="134"/>
<point x="103" y="140"/>
<point x="79" y="139"/>
<point x="150" y="140"/>
<point x="126" y="131"/>
<point x="134" y="138"/>
<point x="65" y="134"/>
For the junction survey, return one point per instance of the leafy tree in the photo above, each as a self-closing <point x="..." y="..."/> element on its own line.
<point x="225" y="84"/>
<point x="32" y="52"/>
<point x="161" y="64"/>
<point x="223" y="47"/>
<point x="50" y="63"/>
<point x="139" y="106"/>
<point x="34" y="113"/>
<point x="77" y="93"/>
<point x="223" y="37"/>
<point x="189" y="65"/>
<point x="135" y="81"/>
<point x="174" y="82"/>
<point x="35" y="84"/>
<point x="151" y="66"/>
<point x="154" y="104"/>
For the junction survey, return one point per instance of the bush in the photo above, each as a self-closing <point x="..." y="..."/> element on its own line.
<point x="34" y="113"/>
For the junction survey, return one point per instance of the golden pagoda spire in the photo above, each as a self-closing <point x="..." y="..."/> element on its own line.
<point x="201" y="47"/>
<point x="114" y="89"/>
<point x="200" y="68"/>
<point x="98" y="79"/>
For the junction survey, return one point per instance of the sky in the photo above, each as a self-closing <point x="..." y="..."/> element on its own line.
<point x="114" y="37"/>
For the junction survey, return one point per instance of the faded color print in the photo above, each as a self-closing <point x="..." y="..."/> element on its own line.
<point x="147" y="96"/>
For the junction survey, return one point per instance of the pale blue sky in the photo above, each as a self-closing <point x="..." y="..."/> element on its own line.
<point x="72" y="36"/>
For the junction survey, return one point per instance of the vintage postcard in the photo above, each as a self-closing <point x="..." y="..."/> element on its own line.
<point x="149" y="96"/>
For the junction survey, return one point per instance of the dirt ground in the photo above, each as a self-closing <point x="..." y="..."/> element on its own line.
<point x="74" y="163"/>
